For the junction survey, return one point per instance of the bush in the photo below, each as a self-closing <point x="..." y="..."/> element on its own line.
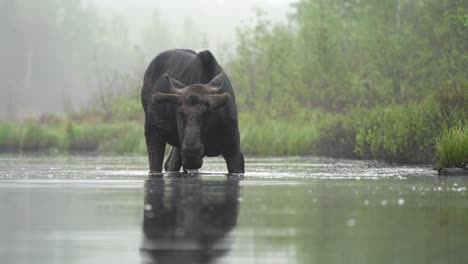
<point x="404" y="134"/>
<point x="337" y="137"/>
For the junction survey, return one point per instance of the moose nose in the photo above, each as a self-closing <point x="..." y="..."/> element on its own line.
<point x="192" y="156"/>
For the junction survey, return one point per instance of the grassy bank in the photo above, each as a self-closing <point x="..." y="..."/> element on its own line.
<point x="430" y="131"/>
<point x="117" y="138"/>
<point x="452" y="148"/>
<point x="396" y="133"/>
<point x="293" y="135"/>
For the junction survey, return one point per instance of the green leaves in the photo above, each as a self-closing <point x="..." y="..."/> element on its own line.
<point x="335" y="55"/>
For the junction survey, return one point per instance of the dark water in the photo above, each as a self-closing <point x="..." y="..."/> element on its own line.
<point x="296" y="210"/>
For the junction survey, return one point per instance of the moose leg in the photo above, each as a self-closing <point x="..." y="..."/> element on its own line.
<point x="235" y="162"/>
<point x="155" y="147"/>
<point x="174" y="161"/>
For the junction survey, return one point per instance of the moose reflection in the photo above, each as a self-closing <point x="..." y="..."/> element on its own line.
<point x="187" y="220"/>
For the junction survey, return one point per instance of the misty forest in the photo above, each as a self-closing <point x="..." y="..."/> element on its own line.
<point x="360" y="79"/>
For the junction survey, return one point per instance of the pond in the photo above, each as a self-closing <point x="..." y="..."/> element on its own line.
<point x="284" y="210"/>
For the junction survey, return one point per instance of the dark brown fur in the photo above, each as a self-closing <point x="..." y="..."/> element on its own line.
<point x="189" y="103"/>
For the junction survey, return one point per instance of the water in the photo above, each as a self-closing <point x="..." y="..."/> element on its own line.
<point x="284" y="210"/>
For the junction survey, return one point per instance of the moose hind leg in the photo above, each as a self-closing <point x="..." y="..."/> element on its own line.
<point x="155" y="147"/>
<point x="174" y="160"/>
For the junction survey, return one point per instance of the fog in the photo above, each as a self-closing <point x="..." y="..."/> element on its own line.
<point x="59" y="56"/>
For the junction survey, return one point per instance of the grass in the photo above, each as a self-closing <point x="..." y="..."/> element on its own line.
<point x="395" y="133"/>
<point x="411" y="133"/>
<point x="28" y="136"/>
<point x="452" y="147"/>
<point x="269" y="136"/>
<point x="117" y="138"/>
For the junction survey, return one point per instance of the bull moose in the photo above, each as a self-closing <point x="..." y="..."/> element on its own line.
<point x="189" y="104"/>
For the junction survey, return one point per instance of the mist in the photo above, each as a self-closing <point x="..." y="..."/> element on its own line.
<point x="60" y="56"/>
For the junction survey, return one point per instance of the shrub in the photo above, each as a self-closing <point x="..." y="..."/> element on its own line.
<point x="404" y="134"/>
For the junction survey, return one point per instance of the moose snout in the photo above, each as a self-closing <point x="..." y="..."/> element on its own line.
<point x="192" y="157"/>
<point x="193" y="151"/>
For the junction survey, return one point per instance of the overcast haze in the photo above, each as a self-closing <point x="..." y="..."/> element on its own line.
<point x="214" y="17"/>
<point x="57" y="55"/>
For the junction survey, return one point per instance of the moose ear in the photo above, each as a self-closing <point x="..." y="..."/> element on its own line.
<point x="174" y="83"/>
<point x="218" y="80"/>
<point x="219" y="100"/>
<point x="167" y="98"/>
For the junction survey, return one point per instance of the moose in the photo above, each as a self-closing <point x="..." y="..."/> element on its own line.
<point x="189" y="104"/>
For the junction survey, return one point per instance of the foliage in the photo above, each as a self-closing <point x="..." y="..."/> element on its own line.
<point x="276" y="136"/>
<point x="66" y="136"/>
<point x="452" y="147"/>
<point x="404" y="134"/>
<point x="388" y="75"/>
<point x="337" y="55"/>
<point x="395" y="133"/>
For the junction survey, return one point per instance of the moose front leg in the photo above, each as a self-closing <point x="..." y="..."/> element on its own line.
<point x="155" y="147"/>
<point x="235" y="162"/>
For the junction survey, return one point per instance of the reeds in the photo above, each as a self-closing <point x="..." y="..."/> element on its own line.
<point x="118" y="138"/>
<point x="452" y="147"/>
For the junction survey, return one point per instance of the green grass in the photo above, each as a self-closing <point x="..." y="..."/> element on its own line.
<point x="397" y="133"/>
<point x="29" y="136"/>
<point x="292" y="135"/>
<point x="117" y="138"/>
<point x="452" y="147"/>
<point x="394" y="133"/>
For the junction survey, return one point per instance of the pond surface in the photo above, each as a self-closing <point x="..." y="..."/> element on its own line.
<point x="284" y="210"/>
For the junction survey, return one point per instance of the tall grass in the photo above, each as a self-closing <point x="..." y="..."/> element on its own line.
<point x="452" y="147"/>
<point x="118" y="138"/>
<point x="293" y="135"/>
<point x="394" y="133"/>
<point x="29" y="136"/>
<point x="411" y="133"/>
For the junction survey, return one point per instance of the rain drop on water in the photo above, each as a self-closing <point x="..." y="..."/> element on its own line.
<point x="351" y="222"/>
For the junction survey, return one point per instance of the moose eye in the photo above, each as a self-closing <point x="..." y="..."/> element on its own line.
<point x="205" y="107"/>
